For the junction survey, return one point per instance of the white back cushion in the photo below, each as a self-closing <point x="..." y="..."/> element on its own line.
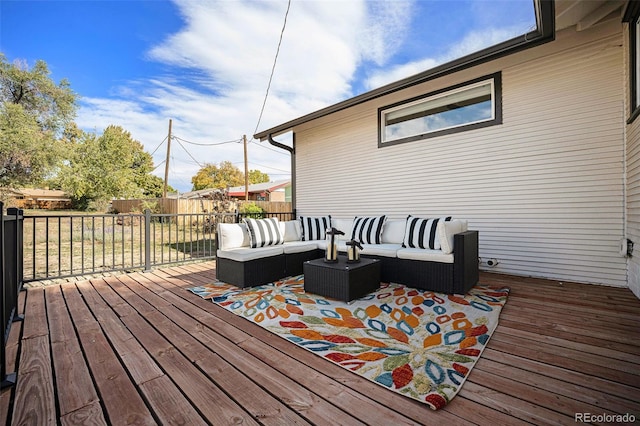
<point x="344" y="225"/>
<point x="393" y="231"/>
<point x="292" y="230"/>
<point x="232" y="235"/>
<point x="446" y="231"/>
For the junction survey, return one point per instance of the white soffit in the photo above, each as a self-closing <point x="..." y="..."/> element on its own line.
<point x="585" y="13"/>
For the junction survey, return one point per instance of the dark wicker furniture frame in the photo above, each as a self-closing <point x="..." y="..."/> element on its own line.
<point x="342" y="280"/>
<point x="451" y="278"/>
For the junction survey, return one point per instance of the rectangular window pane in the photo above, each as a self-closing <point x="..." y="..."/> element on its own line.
<point x="467" y="105"/>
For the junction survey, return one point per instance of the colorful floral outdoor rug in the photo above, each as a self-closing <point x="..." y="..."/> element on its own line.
<point x="417" y="343"/>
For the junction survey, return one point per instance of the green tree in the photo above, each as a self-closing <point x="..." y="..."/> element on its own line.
<point x="153" y="186"/>
<point x="256" y="176"/>
<point x="100" y="168"/>
<point x="34" y="112"/>
<point x="212" y="176"/>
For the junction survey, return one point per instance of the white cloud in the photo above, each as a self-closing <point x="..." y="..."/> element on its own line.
<point x="472" y="42"/>
<point x="219" y="65"/>
<point x="221" y="61"/>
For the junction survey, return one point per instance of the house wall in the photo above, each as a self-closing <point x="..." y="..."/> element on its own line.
<point x="633" y="177"/>
<point x="545" y="189"/>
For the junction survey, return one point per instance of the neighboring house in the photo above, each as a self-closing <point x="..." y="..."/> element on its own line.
<point x="543" y="159"/>
<point x="267" y="191"/>
<point x="48" y="199"/>
<point x="209" y="193"/>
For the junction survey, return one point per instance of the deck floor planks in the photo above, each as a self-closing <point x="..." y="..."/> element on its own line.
<point x="409" y="407"/>
<point x="558" y="386"/>
<point x="303" y="374"/>
<point x="34" y="389"/>
<point x="513" y="381"/>
<point x="123" y="403"/>
<point x="301" y="399"/>
<point x="75" y="389"/>
<point x="244" y="391"/>
<point x="209" y="399"/>
<point x="288" y="364"/>
<point x="11" y="360"/>
<point x="35" y="393"/>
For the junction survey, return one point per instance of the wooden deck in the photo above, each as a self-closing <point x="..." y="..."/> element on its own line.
<point x="140" y="349"/>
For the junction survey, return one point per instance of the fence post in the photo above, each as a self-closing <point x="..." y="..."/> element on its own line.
<point x="147" y="240"/>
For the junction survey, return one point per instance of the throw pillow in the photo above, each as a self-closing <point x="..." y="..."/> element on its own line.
<point x="368" y="230"/>
<point x="421" y="233"/>
<point x="264" y="232"/>
<point x="314" y="228"/>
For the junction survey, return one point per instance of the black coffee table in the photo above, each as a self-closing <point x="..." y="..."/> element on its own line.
<point x="341" y="280"/>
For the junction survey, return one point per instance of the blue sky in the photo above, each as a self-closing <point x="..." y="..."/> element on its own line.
<point x="206" y="64"/>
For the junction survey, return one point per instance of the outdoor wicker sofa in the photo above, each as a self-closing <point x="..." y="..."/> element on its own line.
<point x="447" y="261"/>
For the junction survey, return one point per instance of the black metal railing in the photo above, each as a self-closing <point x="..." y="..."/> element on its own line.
<point x="57" y="246"/>
<point x="62" y="246"/>
<point x="10" y="280"/>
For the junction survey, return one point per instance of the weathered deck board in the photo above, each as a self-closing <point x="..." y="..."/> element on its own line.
<point x="139" y="348"/>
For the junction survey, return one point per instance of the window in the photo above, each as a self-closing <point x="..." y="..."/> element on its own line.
<point x="632" y="16"/>
<point x="468" y="106"/>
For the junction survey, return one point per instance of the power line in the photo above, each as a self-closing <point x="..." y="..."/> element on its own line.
<point x="158" y="147"/>
<point x="188" y="153"/>
<point x="273" y="68"/>
<point x="206" y="144"/>
<point x="161" y="163"/>
<point x="269" y="167"/>
<point x="269" y="148"/>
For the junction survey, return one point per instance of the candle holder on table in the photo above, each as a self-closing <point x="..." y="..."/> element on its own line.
<point x="353" y="251"/>
<point x="331" y="255"/>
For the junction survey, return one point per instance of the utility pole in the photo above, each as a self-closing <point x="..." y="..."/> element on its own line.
<point x="246" y="170"/>
<point x="166" y="163"/>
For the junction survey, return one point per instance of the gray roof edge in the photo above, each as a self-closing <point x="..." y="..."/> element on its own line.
<point x="545" y="32"/>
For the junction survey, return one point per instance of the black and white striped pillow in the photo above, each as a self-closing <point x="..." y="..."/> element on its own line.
<point x="264" y="232"/>
<point x="368" y="230"/>
<point x="421" y="233"/>
<point x="314" y="228"/>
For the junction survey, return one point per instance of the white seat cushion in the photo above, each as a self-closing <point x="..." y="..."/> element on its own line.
<point x="233" y="235"/>
<point x="386" y="250"/>
<point x="425" y="254"/>
<point x="393" y="231"/>
<point x="299" y="246"/>
<point x="244" y="254"/>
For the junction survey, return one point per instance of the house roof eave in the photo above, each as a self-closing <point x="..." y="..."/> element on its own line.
<point x="545" y="32"/>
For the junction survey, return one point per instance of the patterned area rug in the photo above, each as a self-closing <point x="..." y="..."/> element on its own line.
<point x="417" y="343"/>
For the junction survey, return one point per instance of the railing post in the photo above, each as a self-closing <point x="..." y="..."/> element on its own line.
<point x="10" y="283"/>
<point x="147" y="240"/>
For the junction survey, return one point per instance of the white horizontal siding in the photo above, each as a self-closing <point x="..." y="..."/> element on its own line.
<point x="633" y="178"/>
<point x="545" y="189"/>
